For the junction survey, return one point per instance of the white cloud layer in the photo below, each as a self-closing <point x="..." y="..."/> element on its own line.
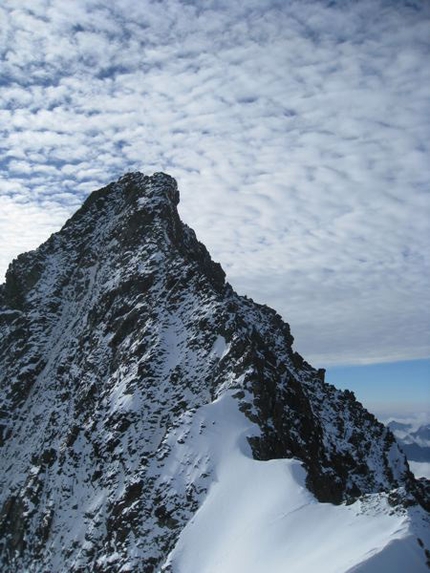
<point x="298" y="132"/>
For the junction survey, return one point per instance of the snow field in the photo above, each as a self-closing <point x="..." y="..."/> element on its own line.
<point x="258" y="517"/>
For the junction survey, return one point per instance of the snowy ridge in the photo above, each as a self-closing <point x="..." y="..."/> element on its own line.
<point x="133" y="379"/>
<point x="259" y="516"/>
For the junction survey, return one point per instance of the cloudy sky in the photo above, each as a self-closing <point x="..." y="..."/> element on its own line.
<point x="298" y="132"/>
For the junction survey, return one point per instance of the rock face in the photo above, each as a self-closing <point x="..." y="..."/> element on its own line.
<point x="112" y="334"/>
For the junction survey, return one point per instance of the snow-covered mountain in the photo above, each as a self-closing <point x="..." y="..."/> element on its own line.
<point x="415" y="441"/>
<point x="413" y="436"/>
<point x="153" y="420"/>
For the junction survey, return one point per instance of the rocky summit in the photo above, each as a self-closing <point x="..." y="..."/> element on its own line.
<point x="116" y="337"/>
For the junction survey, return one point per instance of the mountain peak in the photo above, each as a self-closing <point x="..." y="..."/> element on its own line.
<point x="159" y="186"/>
<point x="133" y="213"/>
<point x="132" y="189"/>
<point x="123" y="352"/>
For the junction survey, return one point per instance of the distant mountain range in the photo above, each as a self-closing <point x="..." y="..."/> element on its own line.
<point x="414" y="440"/>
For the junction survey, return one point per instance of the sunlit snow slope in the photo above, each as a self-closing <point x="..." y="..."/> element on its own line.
<point x="259" y="516"/>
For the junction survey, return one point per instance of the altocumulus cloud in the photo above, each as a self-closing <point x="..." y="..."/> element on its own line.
<point x="298" y="132"/>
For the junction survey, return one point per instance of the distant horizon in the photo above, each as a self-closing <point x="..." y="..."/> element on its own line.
<point x="397" y="389"/>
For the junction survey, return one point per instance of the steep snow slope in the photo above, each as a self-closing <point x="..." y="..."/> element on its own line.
<point x="114" y="335"/>
<point x="259" y="516"/>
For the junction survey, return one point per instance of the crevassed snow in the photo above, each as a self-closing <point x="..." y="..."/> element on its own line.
<point x="258" y="517"/>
